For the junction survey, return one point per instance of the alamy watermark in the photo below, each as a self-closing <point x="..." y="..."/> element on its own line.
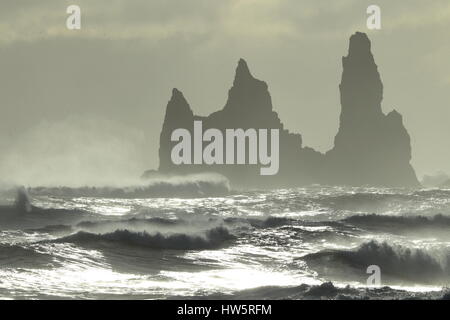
<point x="73" y="21"/>
<point x="374" y="280"/>
<point x="229" y="149"/>
<point x="374" y="20"/>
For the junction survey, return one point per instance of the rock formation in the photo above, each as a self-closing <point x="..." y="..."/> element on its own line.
<point x="178" y="115"/>
<point x="371" y="148"/>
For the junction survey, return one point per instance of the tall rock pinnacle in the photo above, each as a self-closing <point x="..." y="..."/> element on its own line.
<point x="178" y="115"/>
<point x="361" y="87"/>
<point x="370" y="147"/>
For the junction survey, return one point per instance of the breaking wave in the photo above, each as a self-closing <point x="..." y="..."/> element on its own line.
<point x="365" y="201"/>
<point x="156" y="224"/>
<point x="128" y="223"/>
<point x="269" y="222"/>
<point x="183" y="187"/>
<point x="395" y="261"/>
<point x="211" y="239"/>
<point x="325" y="291"/>
<point x="434" y="193"/>
<point x="374" y="221"/>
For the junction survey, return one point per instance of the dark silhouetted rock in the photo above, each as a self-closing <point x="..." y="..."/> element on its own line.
<point x="371" y="148"/>
<point x="178" y="115"/>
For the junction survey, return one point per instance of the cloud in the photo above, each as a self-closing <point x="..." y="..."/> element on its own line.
<point x="162" y="19"/>
<point x="156" y="20"/>
<point x="106" y="19"/>
<point x="413" y="15"/>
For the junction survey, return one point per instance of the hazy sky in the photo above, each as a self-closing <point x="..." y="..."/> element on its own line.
<point x="87" y="106"/>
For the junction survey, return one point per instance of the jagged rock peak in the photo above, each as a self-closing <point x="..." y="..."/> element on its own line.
<point x="178" y="103"/>
<point x="247" y="92"/>
<point x="361" y="87"/>
<point x="177" y="95"/>
<point x="243" y="73"/>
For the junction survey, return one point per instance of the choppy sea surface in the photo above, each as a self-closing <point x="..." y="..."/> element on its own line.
<point x="303" y="243"/>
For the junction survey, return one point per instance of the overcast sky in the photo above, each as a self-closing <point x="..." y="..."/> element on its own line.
<point x="87" y="106"/>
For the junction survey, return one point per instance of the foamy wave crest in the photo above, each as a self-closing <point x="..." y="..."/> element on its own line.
<point x="399" y="223"/>
<point x="368" y="202"/>
<point x="269" y="222"/>
<point x="128" y="223"/>
<point x="207" y="185"/>
<point x="325" y="291"/>
<point x="396" y="263"/>
<point x="211" y="239"/>
<point x="434" y="193"/>
<point x="157" y="224"/>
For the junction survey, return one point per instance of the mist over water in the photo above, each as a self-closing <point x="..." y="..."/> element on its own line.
<point x="75" y="151"/>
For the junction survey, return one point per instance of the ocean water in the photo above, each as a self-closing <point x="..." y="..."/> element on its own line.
<point x="303" y="243"/>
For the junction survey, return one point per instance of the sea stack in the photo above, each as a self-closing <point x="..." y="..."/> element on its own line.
<point x="178" y="115"/>
<point x="370" y="148"/>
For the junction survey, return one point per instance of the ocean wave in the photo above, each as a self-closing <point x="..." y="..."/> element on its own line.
<point x="52" y="229"/>
<point x="324" y="291"/>
<point x="396" y="263"/>
<point x="211" y="239"/>
<point x="17" y="256"/>
<point x="135" y="224"/>
<point x="157" y="224"/>
<point x="24" y="215"/>
<point x="260" y="223"/>
<point x="400" y="224"/>
<point x="433" y="193"/>
<point x="182" y="187"/>
<point x="368" y="202"/>
<point x="123" y="223"/>
<point x="270" y="222"/>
